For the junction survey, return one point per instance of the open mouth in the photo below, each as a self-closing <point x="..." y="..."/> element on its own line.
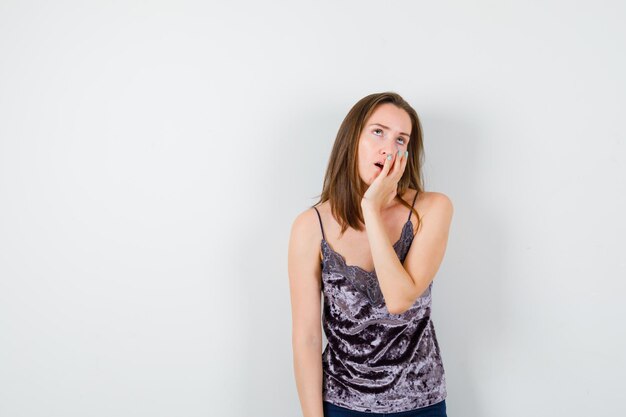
<point x="379" y="165"/>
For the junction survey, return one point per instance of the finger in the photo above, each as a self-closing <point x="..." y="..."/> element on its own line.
<point x="405" y="161"/>
<point x="399" y="163"/>
<point x="387" y="165"/>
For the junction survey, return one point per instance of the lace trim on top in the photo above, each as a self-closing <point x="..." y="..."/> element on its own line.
<point x="366" y="282"/>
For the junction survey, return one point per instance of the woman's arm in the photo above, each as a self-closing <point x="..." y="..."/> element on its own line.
<point x="401" y="284"/>
<point x="305" y="288"/>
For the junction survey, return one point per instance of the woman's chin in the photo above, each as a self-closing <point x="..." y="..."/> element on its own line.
<point x="371" y="178"/>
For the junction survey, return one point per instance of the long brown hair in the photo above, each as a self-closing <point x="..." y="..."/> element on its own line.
<point x="342" y="184"/>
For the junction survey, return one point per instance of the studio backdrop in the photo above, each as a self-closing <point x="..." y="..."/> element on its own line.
<point x="153" y="156"/>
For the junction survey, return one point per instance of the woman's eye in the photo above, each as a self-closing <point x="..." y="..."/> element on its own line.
<point x="380" y="130"/>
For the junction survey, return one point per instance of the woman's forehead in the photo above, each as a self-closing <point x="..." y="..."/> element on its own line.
<point x="390" y="117"/>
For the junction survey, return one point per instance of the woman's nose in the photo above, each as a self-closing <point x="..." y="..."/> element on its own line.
<point x="391" y="149"/>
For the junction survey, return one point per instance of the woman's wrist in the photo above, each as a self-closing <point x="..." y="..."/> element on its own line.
<point x="369" y="209"/>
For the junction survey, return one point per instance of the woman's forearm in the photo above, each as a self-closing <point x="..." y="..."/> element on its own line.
<point x="307" y="364"/>
<point x="395" y="282"/>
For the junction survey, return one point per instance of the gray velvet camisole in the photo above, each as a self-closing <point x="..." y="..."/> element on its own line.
<point x="376" y="361"/>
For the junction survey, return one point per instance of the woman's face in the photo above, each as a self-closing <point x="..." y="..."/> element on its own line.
<point x="385" y="132"/>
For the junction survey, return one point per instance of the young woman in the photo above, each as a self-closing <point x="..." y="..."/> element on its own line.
<point x="371" y="246"/>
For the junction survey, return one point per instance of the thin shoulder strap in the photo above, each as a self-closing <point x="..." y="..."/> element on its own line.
<point x="412" y="205"/>
<point x="320" y="219"/>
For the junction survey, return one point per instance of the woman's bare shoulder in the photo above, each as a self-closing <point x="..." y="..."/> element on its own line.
<point x="434" y="201"/>
<point x="305" y="238"/>
<point x="306" y="223"/>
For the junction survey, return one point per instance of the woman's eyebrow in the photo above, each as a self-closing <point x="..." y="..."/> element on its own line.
<point x="378" y="124"/>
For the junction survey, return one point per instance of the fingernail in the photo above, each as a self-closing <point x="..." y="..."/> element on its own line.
<point x="406" y="153"/>
<point x="389" y="157"/>
<point x="399" y="153"/>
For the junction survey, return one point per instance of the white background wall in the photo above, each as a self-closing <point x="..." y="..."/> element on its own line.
<point x="154" y="154"/>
